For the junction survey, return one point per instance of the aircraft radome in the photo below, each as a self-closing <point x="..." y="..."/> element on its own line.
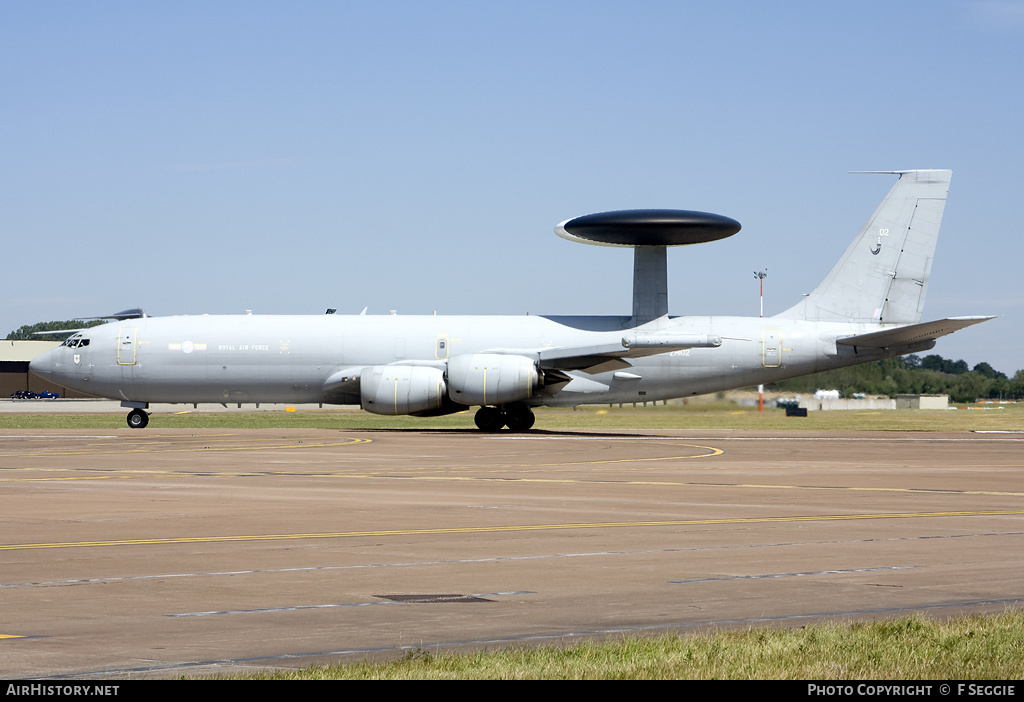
<point x="867" y="308"/>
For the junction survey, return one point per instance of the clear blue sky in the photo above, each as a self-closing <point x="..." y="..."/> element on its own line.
<point x="286" y="157"/>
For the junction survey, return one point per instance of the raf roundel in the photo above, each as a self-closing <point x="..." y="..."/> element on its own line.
<point x="632" y="228"/>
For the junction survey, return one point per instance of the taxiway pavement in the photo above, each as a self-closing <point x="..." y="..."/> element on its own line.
<point x="161" y="553"/>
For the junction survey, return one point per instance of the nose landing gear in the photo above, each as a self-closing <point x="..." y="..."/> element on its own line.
<point x="138" y="419"/>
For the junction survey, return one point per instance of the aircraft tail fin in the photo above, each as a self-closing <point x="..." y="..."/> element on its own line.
<point x="883" y="276"/>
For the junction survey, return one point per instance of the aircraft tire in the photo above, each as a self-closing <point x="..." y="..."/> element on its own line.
<point x="520" y="419"/>
<point x="138" y="419"/>
<point x="489" y="419"/>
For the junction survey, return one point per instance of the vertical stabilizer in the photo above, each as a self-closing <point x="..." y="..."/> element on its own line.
<point x="883" y="276"/>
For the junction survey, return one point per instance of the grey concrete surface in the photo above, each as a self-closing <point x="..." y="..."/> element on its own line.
<point x="162" y="553"/>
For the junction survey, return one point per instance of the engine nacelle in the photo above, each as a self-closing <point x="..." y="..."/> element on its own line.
<point x="491" y="378"/>
<point x="401" y="389"/>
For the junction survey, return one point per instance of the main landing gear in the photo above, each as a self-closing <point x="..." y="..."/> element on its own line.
<point x="515" y="417"/>
<point x="138" y="419"/>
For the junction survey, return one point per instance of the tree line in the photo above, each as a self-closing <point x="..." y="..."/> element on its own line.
<point x="28" y="331"/>
<point x="931" y="375"/>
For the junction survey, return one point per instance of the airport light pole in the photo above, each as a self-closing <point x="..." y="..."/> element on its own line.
<point x="761" y="275"/>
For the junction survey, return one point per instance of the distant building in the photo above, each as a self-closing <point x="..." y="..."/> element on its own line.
<point x="830" y="400"/>
<point x="939" y="402"/>
<point x="865" y="403"/>
<point x="14" y="375"/>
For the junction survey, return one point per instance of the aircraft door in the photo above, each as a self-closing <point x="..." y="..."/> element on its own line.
<point x="441" y="348"/>
<point x="771" y="348"/>
<point x="126" y="344"/>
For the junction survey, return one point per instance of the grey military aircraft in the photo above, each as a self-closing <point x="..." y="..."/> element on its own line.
<point x="868" y="308"/>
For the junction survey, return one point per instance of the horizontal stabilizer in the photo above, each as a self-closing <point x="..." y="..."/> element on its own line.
<point x="912" y="334"/>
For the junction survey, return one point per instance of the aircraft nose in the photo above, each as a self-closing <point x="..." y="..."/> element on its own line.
<point x="42" y="365"/>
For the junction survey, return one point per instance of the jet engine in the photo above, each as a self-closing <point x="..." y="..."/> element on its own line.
<point x="401" y="389"/>
<point x="491" y="378"/>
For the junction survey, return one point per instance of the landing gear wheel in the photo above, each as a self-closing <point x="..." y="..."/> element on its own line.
<point x="520" y="419"/>
<point x="489" y="419"/>
<point x="138" y="419"/>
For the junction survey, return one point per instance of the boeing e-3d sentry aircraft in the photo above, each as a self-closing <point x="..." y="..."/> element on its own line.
<point x="867" y="308"/>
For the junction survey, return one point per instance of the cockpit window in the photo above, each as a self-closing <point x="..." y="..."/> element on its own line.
<point x="75" y="341"/>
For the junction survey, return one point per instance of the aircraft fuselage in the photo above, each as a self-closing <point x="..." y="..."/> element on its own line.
<point x="290" y="359"/>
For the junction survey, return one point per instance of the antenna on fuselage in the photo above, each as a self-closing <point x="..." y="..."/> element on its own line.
<point x="649" y="233"/>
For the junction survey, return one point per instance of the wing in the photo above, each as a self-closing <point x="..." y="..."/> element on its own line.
<point x="134" y="313"/>
<point x="599" y="358"/>
<point x="594" y="358"/>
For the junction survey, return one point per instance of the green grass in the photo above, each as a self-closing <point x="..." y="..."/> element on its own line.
<point x="727" y="416"/>
<point x="696" y="416"/>
<point x="907" y="648"/>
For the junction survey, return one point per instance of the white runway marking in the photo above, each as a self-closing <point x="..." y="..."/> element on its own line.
<point x="54" y="436"/>
<point x="791" y="575"/>
<point x="332" y="606"/>
<point x="885" y="439"/>
<point x="495" y="559"/>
